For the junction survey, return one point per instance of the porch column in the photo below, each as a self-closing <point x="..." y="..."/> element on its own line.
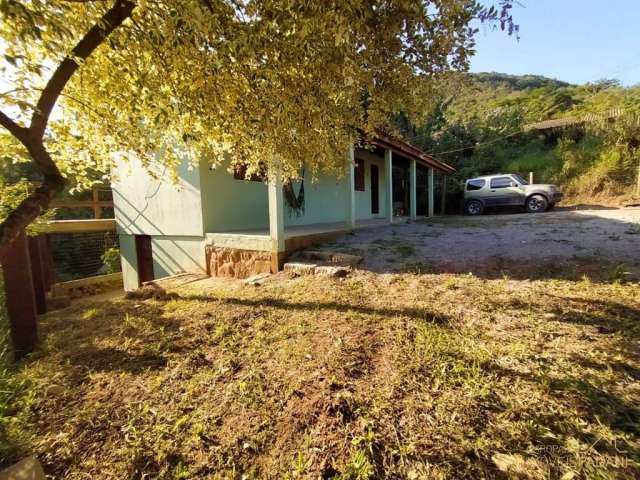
<point x="443" y="201"/>
<point x="351" y="193"/>
<point x="276" y="221"/>
<point x="388" y="172"/>
<point x="412" y="187"/>
<point x="430" y="192"/>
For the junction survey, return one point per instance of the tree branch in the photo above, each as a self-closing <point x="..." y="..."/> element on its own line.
<point x="112" y="19"/>
<point x="33" y="137"/>
<point x="15" y="129"/>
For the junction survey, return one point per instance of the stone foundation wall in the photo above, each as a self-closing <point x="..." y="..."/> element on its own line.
<point x="232" y="262"/>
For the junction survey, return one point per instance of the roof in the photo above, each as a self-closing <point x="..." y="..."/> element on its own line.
<point x="404" y="148"/>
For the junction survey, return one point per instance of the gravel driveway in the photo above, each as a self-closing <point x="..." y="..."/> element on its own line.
<point x="557" y="243"/>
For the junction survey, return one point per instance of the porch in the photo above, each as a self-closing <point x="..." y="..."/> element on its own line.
<point x="379" y="187"/>
<point x="246" y="252"/>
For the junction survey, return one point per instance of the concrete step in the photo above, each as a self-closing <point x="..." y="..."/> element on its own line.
<point x="299" y="268"/>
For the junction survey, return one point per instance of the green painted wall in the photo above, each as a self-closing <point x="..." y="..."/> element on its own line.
<point x="173" y="255"/>
<point x="129" y="262"/>
<point x="157" y="206"/>
<point x="229" y="204"/>
<point x="325" y="201"/>
<point x="363" y="199"/>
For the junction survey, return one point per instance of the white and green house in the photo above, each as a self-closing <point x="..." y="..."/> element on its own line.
<point x="212" y="221"/>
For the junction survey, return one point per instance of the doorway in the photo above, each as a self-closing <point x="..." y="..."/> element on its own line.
<point x="145" y="258"/>
<point x="375" y="187"/>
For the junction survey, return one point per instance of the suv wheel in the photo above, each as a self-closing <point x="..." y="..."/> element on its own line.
<point x="536" y="204"/>
<point x="474" y="207"/>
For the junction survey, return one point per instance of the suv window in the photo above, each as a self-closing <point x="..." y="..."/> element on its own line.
<point x="475" y="184"/>
<point x="501" y="182"/>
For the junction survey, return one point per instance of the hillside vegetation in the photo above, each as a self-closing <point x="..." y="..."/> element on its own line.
<point x="480" y="120"/>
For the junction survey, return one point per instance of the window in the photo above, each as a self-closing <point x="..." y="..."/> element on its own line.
<point x="240" y="173"/>
<point x="359" y="175"/>
<point x="475" y="184"/>
<point x="520" y="180"/>
<point x="501" y="182"/>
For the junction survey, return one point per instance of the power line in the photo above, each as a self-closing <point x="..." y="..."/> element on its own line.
<point x="476" y="145"/>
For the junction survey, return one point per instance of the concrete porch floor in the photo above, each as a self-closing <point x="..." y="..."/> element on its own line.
<point x="295" y="236"/>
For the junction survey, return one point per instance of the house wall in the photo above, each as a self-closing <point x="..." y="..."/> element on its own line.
<point x="129" y="262"/>
<point x="157" y="206"/>
<point x="230" y="204"/>
<point x="363" y="199"/>
<point x="167" y="210"/>
<point x="325" y="201"/>
<point x="171" y="255"/>
<point x="246" y="203"/>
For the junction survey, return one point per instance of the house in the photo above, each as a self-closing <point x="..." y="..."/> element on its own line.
<point x="219" y="223"/>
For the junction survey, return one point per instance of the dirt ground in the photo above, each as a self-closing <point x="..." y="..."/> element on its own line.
<point x="406" y="368"/>
<point x="557" y="243"/>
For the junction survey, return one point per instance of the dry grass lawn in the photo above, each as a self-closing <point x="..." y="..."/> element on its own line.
<point x="403" y="375"/>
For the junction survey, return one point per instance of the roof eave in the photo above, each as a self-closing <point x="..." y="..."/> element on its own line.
<point x="413" y="153"/>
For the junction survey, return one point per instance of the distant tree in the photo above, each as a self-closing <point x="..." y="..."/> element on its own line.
<point x="272" y="82"/>
<point x="602" y="84"/>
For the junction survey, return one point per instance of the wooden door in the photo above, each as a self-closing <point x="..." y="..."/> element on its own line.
<point x="145" y="258"/>
<point x="375" y="186"/>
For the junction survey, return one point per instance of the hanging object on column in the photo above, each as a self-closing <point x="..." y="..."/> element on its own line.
<point x="295" y="203"/>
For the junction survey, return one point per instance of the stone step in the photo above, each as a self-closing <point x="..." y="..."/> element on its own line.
<point x="327" y="257"/>
<point x="299" y="268"/>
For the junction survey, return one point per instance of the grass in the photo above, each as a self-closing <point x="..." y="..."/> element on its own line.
<point x="407" y="375"/>
<point x="403" y="248"/>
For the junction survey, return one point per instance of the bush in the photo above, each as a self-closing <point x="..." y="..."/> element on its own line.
<point x="111" y="260"/>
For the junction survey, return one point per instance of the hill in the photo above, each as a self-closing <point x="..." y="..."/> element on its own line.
<point x="478" y="124"/>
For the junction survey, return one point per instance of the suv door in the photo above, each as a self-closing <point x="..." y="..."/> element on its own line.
<point x="504" y="191"/>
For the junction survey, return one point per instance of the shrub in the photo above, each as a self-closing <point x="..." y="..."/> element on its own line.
<point x="111" y="260"/>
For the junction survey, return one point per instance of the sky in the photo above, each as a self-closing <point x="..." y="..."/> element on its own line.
<point x="577" y="41"/>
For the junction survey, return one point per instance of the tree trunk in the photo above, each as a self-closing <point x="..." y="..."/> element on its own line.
<point x="33" y="137"/>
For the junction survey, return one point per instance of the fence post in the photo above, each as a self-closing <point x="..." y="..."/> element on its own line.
<point x="95" y="197"/>
<point x="443" y="201"/>
<point x="530" y="178"/>
<point x="38" y="274"/>
<point x="20" y="296"/>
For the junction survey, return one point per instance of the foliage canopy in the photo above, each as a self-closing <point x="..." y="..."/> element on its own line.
<point x="275" y="82"/>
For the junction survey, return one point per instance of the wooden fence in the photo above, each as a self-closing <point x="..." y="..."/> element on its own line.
<point x="27" y="269"/>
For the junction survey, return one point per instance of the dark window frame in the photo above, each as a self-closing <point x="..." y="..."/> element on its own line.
<point x="358" y="177"/>
<point x="508" y="179"/>
<point x="476" y="184"/>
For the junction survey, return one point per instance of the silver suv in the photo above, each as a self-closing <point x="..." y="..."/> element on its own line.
<point x="508" y="189"/>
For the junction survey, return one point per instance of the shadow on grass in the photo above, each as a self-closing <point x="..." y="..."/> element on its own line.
<point x="606" y="315"/>
<point x="591" y="403"/>
<point x="422" y="314"/>
<point x="79" y="340"/>
<point x="619" y="414"/>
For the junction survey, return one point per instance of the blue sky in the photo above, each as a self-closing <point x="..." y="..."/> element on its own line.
<point x="572" y="40"/>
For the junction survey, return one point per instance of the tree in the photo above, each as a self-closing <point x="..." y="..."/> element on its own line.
<point x="275" y="83"/>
